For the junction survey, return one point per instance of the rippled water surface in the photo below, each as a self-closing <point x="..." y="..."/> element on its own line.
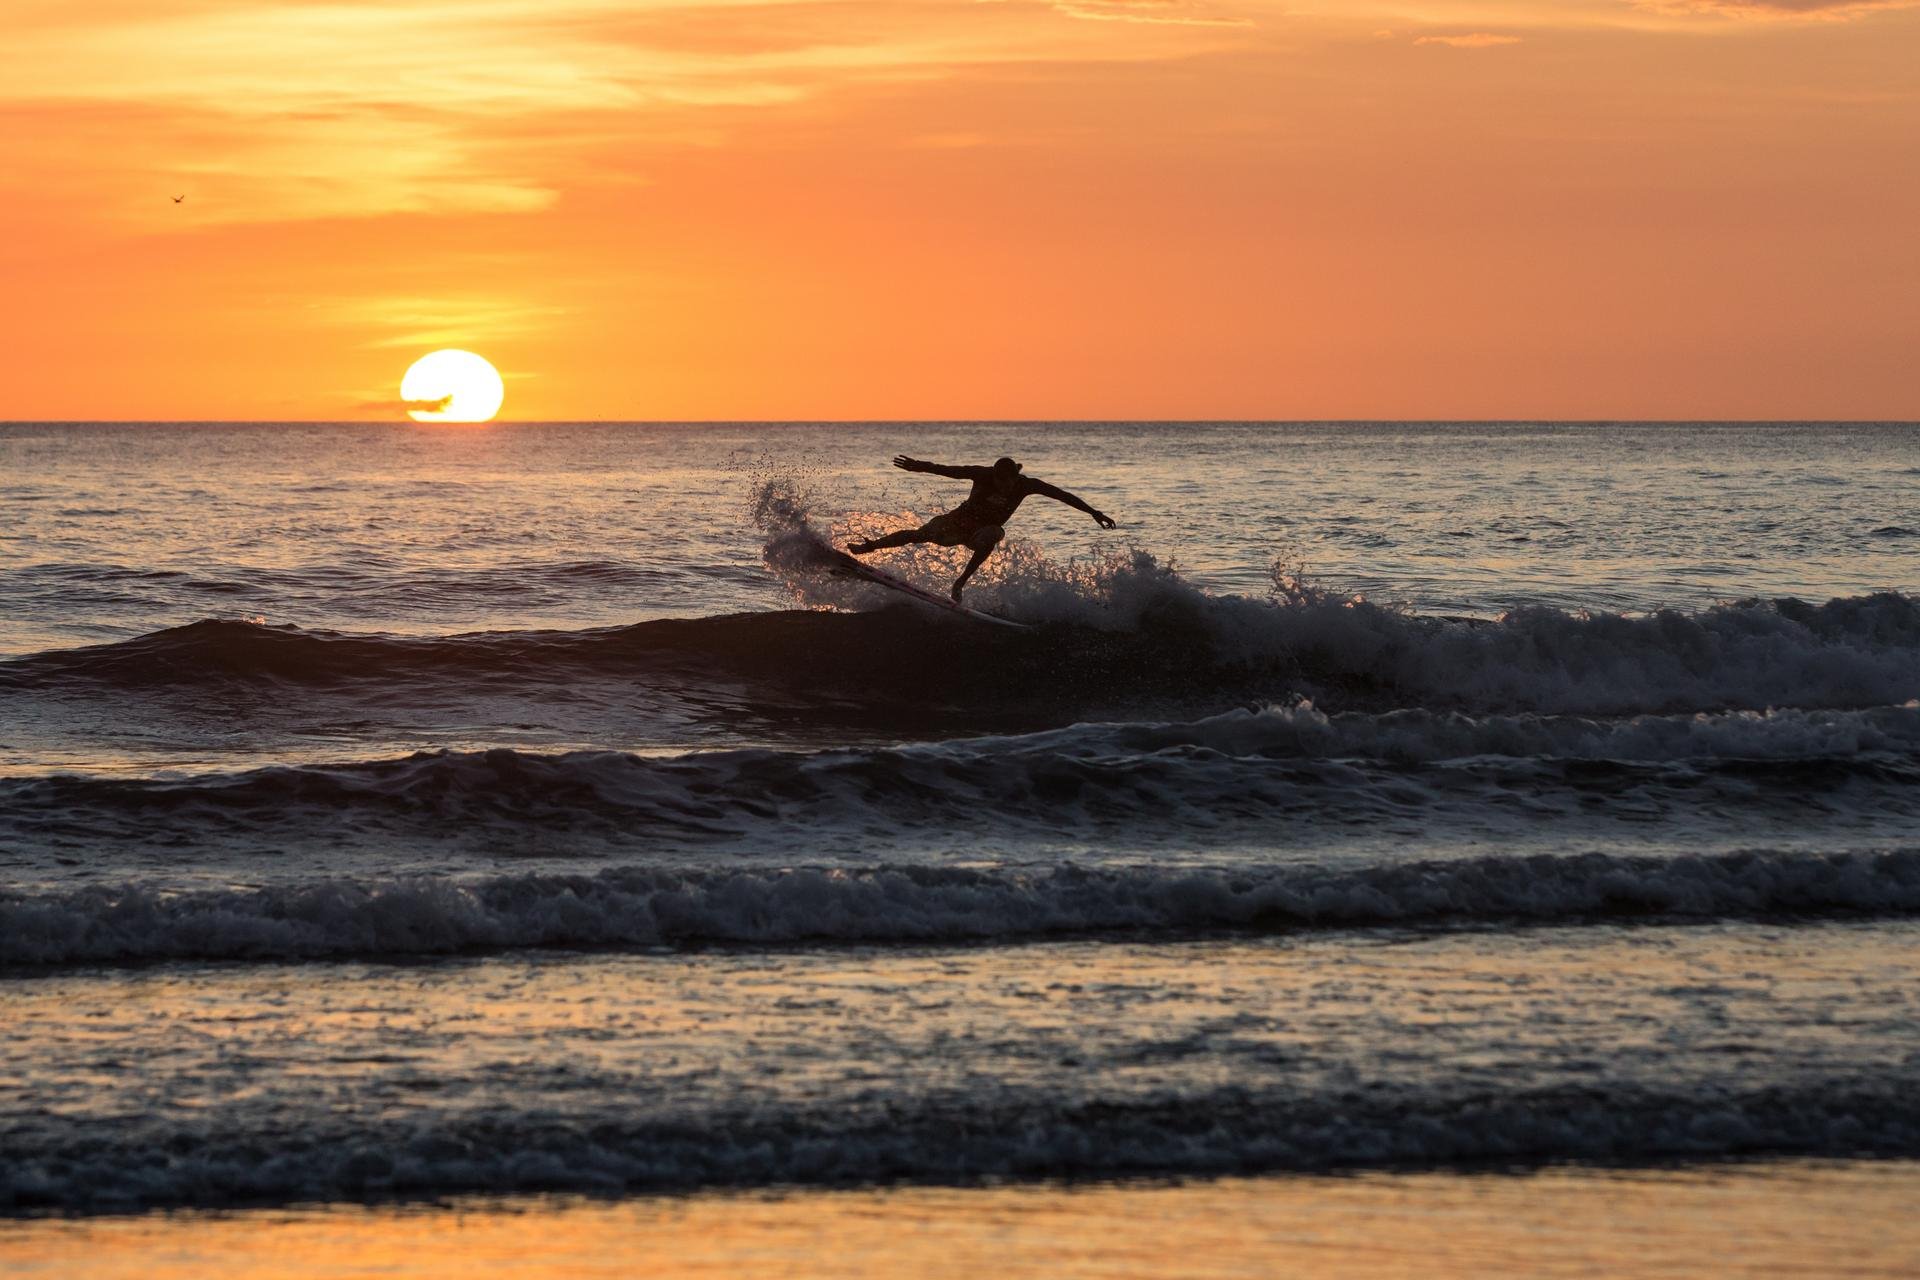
<point x="116" y="530"/>
<point x="425" y="812"/>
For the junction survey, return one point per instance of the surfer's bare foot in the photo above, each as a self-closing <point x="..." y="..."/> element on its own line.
<point x="956" y="593"/>
<point x="859" y="548"/>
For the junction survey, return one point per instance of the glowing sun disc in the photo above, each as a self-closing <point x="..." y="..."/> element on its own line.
<point x="466" y="387"/>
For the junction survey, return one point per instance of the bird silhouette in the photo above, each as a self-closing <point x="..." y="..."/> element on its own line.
<point x="178" y="199"/>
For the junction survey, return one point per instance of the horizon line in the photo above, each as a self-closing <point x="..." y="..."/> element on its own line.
<point x="946" y="421"/>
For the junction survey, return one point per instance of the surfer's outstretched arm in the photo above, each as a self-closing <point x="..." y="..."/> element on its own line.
<point x="1046" y="490"/>
<point x="941" y="469"/>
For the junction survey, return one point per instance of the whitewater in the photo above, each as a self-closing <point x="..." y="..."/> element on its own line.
<point x="388" y="812"/>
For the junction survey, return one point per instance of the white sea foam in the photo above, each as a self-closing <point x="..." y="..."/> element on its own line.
<point x="1849" y="652"/>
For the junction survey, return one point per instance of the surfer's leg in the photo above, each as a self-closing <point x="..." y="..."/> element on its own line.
<point x="983" y="542"/>
<point x="900" y="539"/>
<point x="939" y="530"/>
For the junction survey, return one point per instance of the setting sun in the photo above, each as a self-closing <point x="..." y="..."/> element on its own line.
<point x="1123" y="636"/>
<point x="452" y="386"/>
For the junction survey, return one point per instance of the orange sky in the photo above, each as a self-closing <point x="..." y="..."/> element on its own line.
<point x="990" y="208"/>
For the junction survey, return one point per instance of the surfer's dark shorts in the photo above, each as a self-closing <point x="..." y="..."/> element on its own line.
<point x="950" y="531"/>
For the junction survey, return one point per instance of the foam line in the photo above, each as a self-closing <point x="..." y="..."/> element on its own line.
<point x="326" y="919"/>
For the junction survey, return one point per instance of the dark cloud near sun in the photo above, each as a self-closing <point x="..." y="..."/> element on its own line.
<point x="405" y="406"/>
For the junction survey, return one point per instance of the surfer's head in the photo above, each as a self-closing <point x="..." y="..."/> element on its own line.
<point x="1005" y="469"/>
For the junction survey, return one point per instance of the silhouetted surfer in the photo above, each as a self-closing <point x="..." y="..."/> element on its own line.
<point x="980" y="521"/>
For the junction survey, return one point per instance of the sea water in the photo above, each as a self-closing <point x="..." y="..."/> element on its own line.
<point x="391" y="813"/>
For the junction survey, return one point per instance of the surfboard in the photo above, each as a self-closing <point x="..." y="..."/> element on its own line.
<point x="842" y="563"/>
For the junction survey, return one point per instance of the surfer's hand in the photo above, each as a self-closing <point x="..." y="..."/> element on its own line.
<point x="1106" y="521"/>
<point x="905" y="463"/>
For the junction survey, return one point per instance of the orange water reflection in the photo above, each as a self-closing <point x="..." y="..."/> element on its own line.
<point x="1773" y="1220"/>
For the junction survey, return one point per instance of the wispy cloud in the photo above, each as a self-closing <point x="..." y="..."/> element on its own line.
<point x="303" y="110"/>
<point x="1166" y="13"/>
<point x="1573" y="16"/>
<point x="398" y="321"/>
<point x="1779" y="10"/>
<point x="1471" y="40"/>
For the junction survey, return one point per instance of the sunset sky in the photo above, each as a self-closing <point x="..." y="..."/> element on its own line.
<point x="1093" y="208"/>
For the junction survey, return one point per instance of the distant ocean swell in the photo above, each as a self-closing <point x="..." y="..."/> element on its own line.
<point x="1137" y="634"/>
<point x="366" y="585"/>
<point x="1286" y="774"/>
<point x="916" y="904"/>
<point x="319" y="1157"/>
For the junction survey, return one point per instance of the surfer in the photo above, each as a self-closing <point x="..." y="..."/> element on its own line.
<point x="980" y="521"/>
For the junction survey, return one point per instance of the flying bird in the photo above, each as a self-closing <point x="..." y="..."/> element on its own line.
<point x="178" y="199"/>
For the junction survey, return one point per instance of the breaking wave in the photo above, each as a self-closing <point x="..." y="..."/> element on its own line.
<point x="1850" y="651"/>
<point x="640" y="907"/>
<point x="1176" y="644"/>
<point x="1109" y="635"/>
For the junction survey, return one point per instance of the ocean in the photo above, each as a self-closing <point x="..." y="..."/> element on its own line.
<point x="1436" y="846"/>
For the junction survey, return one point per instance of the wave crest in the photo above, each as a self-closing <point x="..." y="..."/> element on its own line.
<point x="1849" y="652"/>
<point x="1288" y="776"/>
<point x="1209" y="1132"/>
<point x="652" y="907"/>
<point x="1117" y="635"/>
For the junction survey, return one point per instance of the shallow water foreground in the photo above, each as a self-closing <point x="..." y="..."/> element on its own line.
<point x="219" y="1084"/>
<point x="1778" y="1219"/>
